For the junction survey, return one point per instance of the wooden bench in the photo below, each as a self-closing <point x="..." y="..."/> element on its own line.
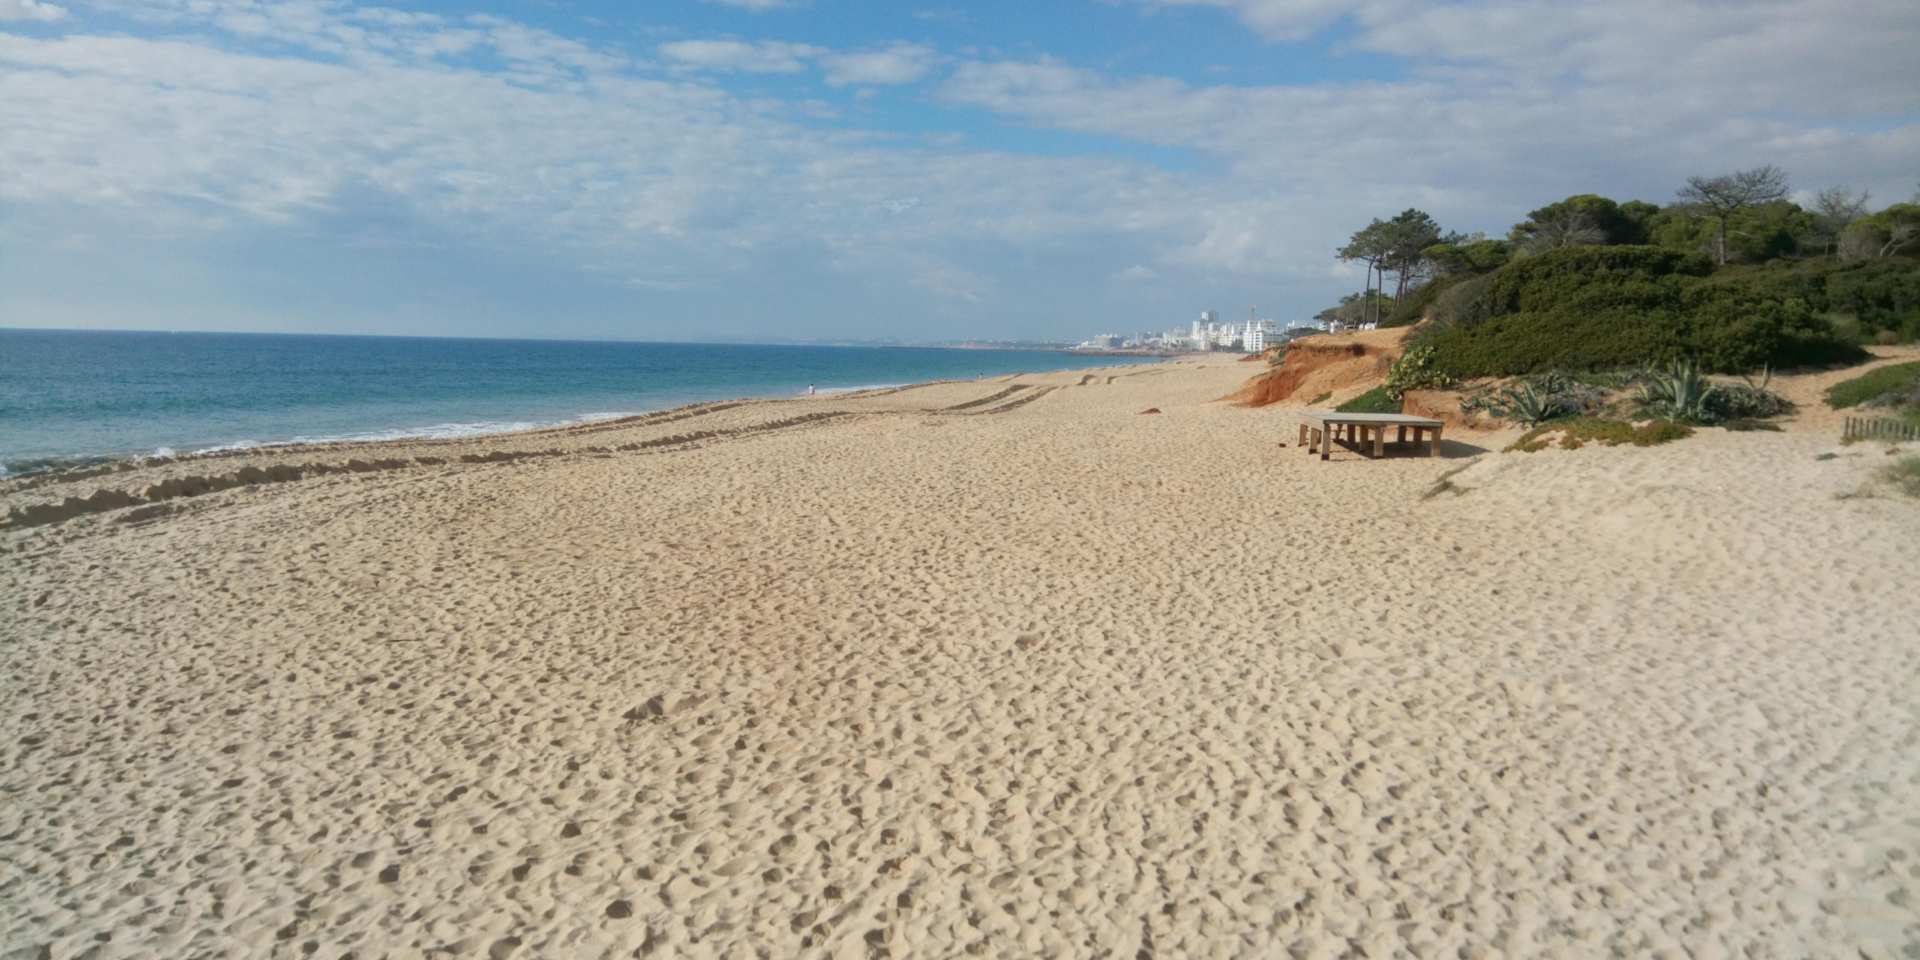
<point x="1321" y="430"/>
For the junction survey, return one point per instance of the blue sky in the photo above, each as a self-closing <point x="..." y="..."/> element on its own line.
<point x="682" y="170"/>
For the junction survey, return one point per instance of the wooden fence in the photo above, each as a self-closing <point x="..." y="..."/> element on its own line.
<point x="1880" y="428"/>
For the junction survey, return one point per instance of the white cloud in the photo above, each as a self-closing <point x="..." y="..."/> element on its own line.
<point x="1508" y="104"/>
<point x="372" y="128"/>
<point x="1820" y="56"/>
<point x="900" y="63"/>
<point x="662" y="184"/>
<point x="1279" y="19"/>
<point x="31" y="10"/>
<point x="739" y="56"/>
<point x="1512" y="97"/>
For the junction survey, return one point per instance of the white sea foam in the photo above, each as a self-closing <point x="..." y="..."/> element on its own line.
<point x="438" y="431"/>
<point x="867" y="386"/>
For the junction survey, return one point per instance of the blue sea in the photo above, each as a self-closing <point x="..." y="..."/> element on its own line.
<point x="71" y="396"/>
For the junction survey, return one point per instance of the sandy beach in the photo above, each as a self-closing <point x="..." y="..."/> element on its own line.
<point x="999" y="668"/>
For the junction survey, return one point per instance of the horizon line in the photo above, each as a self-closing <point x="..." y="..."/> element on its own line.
<point x="842" y="342"/>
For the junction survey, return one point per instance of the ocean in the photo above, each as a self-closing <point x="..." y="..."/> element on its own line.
<point x="73" y="396"/>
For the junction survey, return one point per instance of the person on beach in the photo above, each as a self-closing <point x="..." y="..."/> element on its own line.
<point x="809" y="389"/>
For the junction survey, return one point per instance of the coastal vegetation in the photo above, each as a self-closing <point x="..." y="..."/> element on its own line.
<point x="1576" y="433"/>
<point x="1731" y="276"/>
<point x="1376" y="400"/>
<point x="1679" y="392"/>
<point x="1535" y="400"/>
<point x="1895" y="387"/>
<point x="1415" y="370"/>
<point x="1600" y="307"/>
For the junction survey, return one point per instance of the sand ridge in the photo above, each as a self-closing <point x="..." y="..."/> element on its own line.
<point x="1060" y="680"/>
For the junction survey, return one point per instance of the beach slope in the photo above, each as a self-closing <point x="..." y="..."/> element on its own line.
<point x="996" y="668"/>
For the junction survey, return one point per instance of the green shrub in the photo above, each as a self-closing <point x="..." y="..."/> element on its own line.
<point x="1873" y="385"/>
<point x="1865" y="298"/>
<point x="1591" y="308"/>
<point x="1612" y="433"/>
<point x="1546" y="281"/>
<point x="1376" y="400"/>
<point x="1415" y="371"/>
<point x="1745" y="402"/>
<point x="1408" y="310"/>
<point x="1847" y="327"/>
<point x="1469" y="257"/>
<point x="1460" y="303"/>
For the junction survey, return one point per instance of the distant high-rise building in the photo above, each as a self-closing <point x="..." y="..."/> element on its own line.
<point x="1257" y="335"/>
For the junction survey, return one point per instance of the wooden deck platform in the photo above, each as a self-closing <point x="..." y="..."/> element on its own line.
<point x="1322" y="429"/>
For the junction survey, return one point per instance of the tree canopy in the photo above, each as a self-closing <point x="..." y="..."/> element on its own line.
<point x="1744" y="216"/>
<point x="1728" y="194"/>
<point x="1581" y="220"/>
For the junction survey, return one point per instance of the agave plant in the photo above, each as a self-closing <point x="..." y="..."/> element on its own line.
<point x="1680" y="392"/>
<point x="1529" y="404"/>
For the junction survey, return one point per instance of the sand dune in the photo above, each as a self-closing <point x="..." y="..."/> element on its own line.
<point x="965" y="670"/>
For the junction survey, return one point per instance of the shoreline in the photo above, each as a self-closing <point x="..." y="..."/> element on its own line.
<point x="86" y="399"/>
<point x="96" y="465"/>
<point x="148" y="482"/>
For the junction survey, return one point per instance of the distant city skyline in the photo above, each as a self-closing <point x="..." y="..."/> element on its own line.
<point x="818" y="170"/>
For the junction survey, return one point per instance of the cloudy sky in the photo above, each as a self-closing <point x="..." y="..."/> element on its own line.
<point x="680" y="169"/>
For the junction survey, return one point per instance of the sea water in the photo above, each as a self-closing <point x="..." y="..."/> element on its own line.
<point x="70" y="396"/>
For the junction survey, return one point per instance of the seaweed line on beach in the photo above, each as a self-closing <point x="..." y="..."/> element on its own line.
<point x="103" y="500"/>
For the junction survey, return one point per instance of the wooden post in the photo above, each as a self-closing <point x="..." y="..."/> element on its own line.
<point x="1400" y="434"/>
<point x="1435" y="451"/>
<point x="1326" y="440"/>
<point x="1303" y="434"/>
<point x="1379" y="440"/>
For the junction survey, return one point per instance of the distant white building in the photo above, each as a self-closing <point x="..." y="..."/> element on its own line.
<point x="1258" y="335"/>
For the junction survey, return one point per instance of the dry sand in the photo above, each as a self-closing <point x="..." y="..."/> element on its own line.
<point x="1033" y="675"/>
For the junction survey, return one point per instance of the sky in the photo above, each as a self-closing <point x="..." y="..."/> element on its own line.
<point x="819" y="169"/>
